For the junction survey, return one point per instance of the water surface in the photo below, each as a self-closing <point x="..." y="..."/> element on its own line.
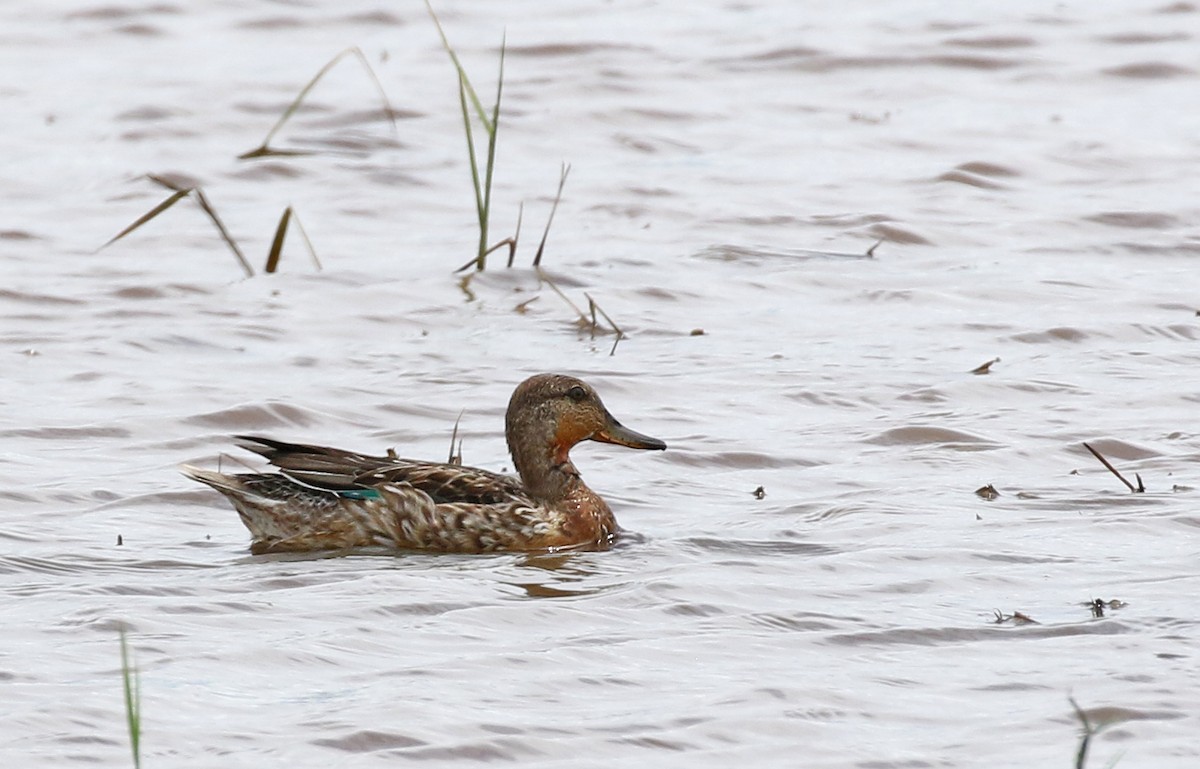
<point x="1028" y="173"/>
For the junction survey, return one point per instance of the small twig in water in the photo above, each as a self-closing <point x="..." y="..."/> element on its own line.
<point x="1139" y="488"/>
<point x="583" y="321"/>
<point x="542" y="276"/>
<point x="510" y="242"/>
<point x="594" y="307"/>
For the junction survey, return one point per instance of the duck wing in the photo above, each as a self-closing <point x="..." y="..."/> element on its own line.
<point x="330" y="469"/>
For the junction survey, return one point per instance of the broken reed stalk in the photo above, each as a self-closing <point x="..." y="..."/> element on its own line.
<point x="276" y="251"/>
<point x="1138" y="489"/>
<point x="583" y="320"/>
<point x="174" y="198"/>
<point x="562" y="179"/>
<point x="178" y="192"/>
<point x="512" y="248"/>
<point x="594" y="307"/>
<point x="277" y="242"/>
<point x="510" y="242"/>
<point x="265" y="150"/>
<point x="202" y="199"/>
<point x="133" y="702"/>
<point x="307" y="242"/>
<point x="542" y="276"/>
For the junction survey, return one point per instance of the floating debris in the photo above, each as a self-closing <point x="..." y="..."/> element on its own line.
<point x="1098" y="605"/>
<point x="987" y="492"/>
<point x="985" y="368"/>
<point x="1017" y="618"/>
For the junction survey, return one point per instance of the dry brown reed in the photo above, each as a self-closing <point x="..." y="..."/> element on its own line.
<point x="1136" y="489"/>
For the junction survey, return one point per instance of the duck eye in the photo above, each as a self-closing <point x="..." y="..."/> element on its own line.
<point x="576" y="393"/>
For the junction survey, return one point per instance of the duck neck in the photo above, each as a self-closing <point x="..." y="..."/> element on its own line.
<point x="547" y="474"/>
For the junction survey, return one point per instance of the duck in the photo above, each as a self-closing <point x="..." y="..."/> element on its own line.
<point x="322" y="498"/>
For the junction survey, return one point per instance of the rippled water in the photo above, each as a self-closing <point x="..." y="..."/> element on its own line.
<point x="1030" y="172"/>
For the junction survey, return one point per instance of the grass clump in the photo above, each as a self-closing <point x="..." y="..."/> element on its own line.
<point x="491" y="127"/>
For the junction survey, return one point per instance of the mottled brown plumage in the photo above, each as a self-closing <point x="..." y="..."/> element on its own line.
<point x="324" y="498"/>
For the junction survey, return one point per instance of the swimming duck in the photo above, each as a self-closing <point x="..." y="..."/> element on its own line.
<point x="325" y="499"/>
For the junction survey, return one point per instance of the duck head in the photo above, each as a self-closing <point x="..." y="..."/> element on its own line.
<point x="550" y="413"/>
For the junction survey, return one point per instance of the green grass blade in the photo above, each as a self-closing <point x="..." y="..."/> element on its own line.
<point x="512" y="249"/>
<point x="466" y="115"/>
<point x="153" y="212"/>
<point x="485" y="217"/>
<point x="265" y="149"/>
<point x="307" y="243"/>
<point x="582" y="321"/>
<point x="133" y="702"/>
<point x="468" y="101"/>
<point x="277" y="242"/>
<point x="216" y="220"/>
<point x="480" y="207"/>
<point x="462" y="73"/>
<point x="170" y="184"/>
<point x="562" y="179"/>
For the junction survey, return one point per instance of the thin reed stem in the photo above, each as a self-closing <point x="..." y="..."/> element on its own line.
<point x="562" y="179"/>
<point x="265" y="149"/>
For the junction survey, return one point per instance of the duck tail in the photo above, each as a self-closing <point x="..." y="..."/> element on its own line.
<point x="226" y="484"/>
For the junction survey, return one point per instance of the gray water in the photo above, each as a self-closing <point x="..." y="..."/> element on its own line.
<point x="1028" y="172"/>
